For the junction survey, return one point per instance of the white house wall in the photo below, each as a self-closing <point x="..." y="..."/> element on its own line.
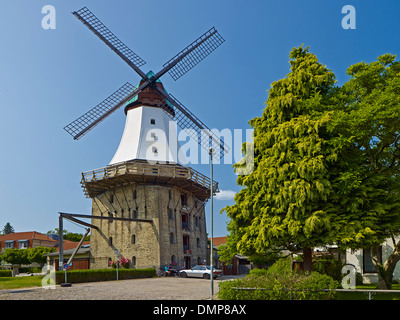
<point x="355" y="257"/>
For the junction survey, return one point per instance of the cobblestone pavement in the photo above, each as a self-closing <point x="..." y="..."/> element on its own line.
<point x="136" y="289"/>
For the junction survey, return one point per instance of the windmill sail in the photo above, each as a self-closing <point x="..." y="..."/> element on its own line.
<point x="110" y="39"/>
<point x="193" y="54"/>
<point x="94" y="116"/>
<point x="197" y="129"/>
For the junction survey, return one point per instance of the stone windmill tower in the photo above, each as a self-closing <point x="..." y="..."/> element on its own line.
<point x="147" y="206"/>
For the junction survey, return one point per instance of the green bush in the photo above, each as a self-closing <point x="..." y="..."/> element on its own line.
<point x="76" y="276"/>
<point x="279" y="283"/>
<point x="5" y="273"/>
<point x="329" y="266"/>
<point x="293" y="285"/>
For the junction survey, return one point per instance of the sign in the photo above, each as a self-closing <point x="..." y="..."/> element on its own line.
<point x="65" y="266"/>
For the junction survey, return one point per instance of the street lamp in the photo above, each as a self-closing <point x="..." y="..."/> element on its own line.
<point x="212" y="225"/>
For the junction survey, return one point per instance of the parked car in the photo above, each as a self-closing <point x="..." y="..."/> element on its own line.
<point x="200" y="271"/>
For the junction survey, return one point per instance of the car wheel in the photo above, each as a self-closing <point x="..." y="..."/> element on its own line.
<point x="206" y="276"/>
<point x="183" y="274"/>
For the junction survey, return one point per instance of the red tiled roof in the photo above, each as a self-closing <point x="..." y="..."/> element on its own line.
<point x="26" y="235"/>
<point x="217" y="241"/>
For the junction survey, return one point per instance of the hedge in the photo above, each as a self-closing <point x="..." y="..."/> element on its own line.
<point x="286" y="286"/>
<point x="76" y="276"/>
<point x="5" y="273"/>
<point x="279" y="282"/>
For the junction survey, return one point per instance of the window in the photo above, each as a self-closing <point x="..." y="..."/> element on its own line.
<point x="153" y="136"/>
<point x="134" y="214"/>
<point x="133" y="239"/>
<point x="152" y="121"/>
<point x="183" y="199"/>
<point x="9" y="244"/>
<point x="368" y="265"/>
<point x="110" y="241"/>
<point x="133" y="261"/>
<point x="111" y="198"/>
<point x="171" y="238"/>
<point x="155" y="151"/>
<point x="22" y="244"/>
<point x="198" y="242"/>
<point x="134" y="195"/>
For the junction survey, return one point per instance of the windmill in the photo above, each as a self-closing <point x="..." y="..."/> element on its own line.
<point x="152" y="213"/>
<point x="177" y="66"/>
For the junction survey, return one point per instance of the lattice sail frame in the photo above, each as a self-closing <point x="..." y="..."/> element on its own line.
<point x="109" y="38"/>
<point x="79" y="127"/>
<point x="203" y="46"/>
<point x="197" y="130"/>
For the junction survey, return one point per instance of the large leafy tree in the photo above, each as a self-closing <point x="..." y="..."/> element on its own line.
<point x="326" y="163"/>
<point x="284" y="201"/>
<point x="369" y="126"/>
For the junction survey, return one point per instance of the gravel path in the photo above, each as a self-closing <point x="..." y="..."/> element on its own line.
<point x="136" y="289"/>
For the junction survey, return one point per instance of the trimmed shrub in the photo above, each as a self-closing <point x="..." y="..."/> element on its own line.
<point x="285" y="286"/>
<point x="76" y="276"/>
<point x="278" y="282"/>
<point x="5" y="273"/>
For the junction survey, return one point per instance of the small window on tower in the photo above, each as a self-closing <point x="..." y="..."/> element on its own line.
<point x="155" y="151"/>
<point x="153" y="136"/>
<point x="152" y="121"/>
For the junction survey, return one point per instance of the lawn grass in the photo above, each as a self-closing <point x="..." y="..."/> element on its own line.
<point x="363" y="296"/>
<point x="20" y="282"/>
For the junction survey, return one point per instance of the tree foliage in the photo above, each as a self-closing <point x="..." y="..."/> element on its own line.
<point x="284" y="201"/>
<point x="26" y="256"/>
<point x="326" y="160"/>
<point x="8" y="228"/>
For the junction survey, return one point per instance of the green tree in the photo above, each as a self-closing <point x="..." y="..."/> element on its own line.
<point x="369" y="181"/>
<point x="70" y="235"/>
<point x="8" y="228"/>
<point x="284" y="202"/>
<point x="15" y="256"/>
<point x="36" y="255"/>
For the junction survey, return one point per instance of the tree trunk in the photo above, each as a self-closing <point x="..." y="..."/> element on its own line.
<point x="307" y="259"/>
<point x="385" y="271"/>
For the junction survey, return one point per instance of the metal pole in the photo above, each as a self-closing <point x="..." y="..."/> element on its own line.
<point x="60" y="242"/>
<point x="212" y="226"/>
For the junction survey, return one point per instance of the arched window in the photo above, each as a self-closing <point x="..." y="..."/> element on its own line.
<point x="133" y="261"/>
<point x="133" y="239"/>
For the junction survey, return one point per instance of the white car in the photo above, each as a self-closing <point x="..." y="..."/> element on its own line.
<point x="200" y="271"/>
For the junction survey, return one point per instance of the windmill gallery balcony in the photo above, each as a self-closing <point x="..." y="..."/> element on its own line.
<point x="97" y="181"/>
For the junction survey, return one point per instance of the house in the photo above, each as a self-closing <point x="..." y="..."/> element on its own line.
<point x="239" y="264"/>
<point x="81" y="259"/>
<point x="362" y="260"/>
<point x="24" y="240"/>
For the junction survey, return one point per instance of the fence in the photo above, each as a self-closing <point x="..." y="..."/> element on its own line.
<point x="368" y="292"/>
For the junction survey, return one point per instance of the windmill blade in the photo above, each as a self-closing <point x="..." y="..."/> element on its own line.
<point x="192" y="54"/>
<point x="94" y="116"/>
<point x="100" y="30"/>
<point x="199" y="131"/>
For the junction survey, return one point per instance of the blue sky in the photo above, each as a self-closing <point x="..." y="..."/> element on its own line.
<point x="50" y="77"/>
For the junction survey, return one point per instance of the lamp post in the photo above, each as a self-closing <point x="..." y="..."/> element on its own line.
<point x="117" y="263"/>
<point x="212" y="226"/>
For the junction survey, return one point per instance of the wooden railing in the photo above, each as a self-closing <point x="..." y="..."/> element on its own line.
<point x="147" y="169"/>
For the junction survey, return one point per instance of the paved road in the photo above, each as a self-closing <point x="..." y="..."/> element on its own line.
<point x="136" y="289"/>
